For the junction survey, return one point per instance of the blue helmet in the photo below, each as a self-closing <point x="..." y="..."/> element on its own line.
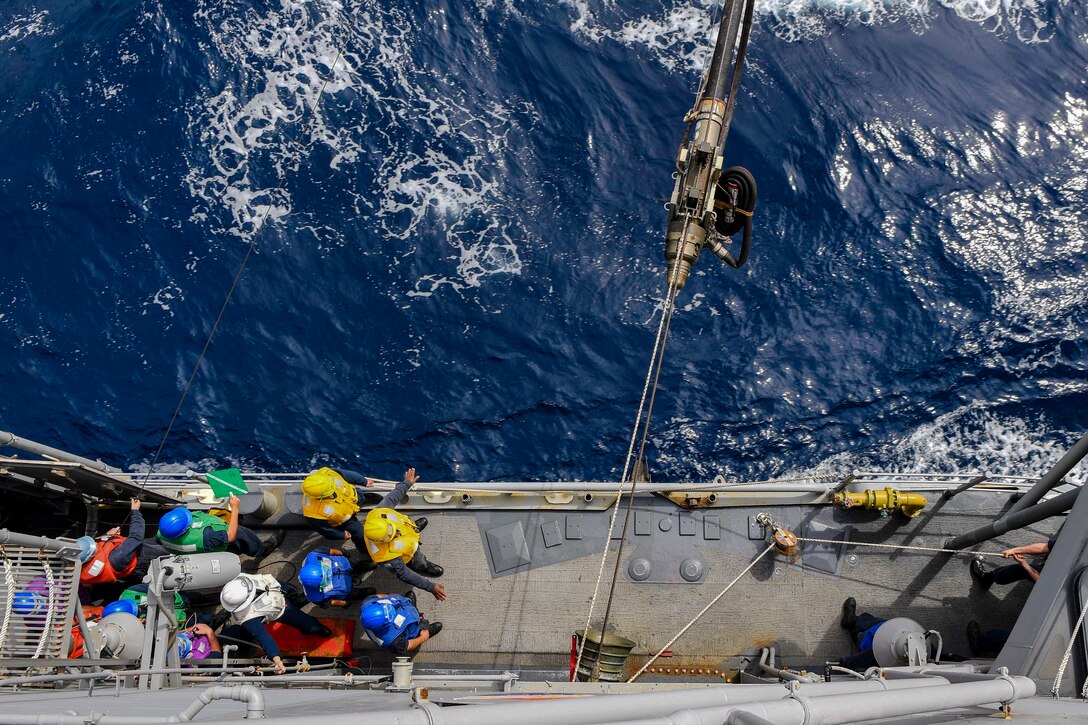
<point x="376" y="614"/>
<point x="126" y="606"/>
<point x="185" y="645"/>
<point x="87" y="546"/>
<point x="26" y="602"/>
<point x="175" y="522"/>
<point x="311" y="575"/>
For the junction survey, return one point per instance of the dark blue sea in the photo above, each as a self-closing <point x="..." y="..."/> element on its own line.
<point x="455" y="209"/>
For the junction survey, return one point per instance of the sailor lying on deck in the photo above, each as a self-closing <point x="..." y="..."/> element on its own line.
<point x="392" y="540"/>
<point x="863" y="630"/>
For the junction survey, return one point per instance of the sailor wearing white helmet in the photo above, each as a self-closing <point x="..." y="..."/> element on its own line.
<point x="253" y="600"/>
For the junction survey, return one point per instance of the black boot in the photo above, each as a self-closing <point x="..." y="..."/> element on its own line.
<point x="428" y="568"/>
<point x="268" y="546"/>
<point x="978" y="573"/>
<point x="849" y="613"/>
<point x="294" y="595"/>
<point x="219" y="619"/>
<point x="421" y="523"/>
<point x="410" y="595"/>
<point x="434" y="628"/>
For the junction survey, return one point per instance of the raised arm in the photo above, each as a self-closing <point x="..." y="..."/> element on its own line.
<point x="232" y="526"/>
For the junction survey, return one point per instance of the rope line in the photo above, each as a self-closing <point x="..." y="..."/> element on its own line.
<point x="237" y="277"/>
<point x="670" y="302"/>
<point x="9" y="580"/>
<point x="700" y="614"/>
<point x="49" y="608"/>
<point x="623" y="478"/>
<point x="904" y="547"/>
<point x="1055" y="690"/>
<point x="666" y="314"/>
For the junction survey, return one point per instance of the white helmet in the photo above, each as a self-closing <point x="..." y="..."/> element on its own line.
<point x="238" y="593"/>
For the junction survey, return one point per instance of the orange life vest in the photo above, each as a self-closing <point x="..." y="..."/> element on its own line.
<point x="99" y="570"/>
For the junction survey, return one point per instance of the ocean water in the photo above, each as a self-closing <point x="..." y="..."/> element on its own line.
<point x="455" y="209"/>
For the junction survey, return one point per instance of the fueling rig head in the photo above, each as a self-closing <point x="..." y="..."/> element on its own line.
<point x="709" y="206"/>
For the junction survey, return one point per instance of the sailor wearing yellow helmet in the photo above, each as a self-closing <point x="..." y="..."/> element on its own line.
<point x="392" y="540"/>
<point x="330" y="500"/>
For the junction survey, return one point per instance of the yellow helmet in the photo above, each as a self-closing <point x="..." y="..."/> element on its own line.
<point x="321" y="483"/>
<point x="377" y="527"/>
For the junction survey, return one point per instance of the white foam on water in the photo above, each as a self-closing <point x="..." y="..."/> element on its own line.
<point x="439" y="151"/>
<point x="21" y="27"/>
<point x="288" y="59"/>
<point x="970" y="439"/>
<point x="681" y="34"/>
<point x="164" y="299"/>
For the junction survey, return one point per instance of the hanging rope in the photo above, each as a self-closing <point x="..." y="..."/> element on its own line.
<point x="700" y="614"/>
<point x="1056" y="689"/>
<point x="237" y="277"/>
<point x="9" y="580"/>
<point x="658" y="351"/>
<point x="51" y="605"/>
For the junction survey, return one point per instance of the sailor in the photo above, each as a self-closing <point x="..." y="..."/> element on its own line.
<point x="1012" y="573"/>
<point x="326" y="579"/>
<point x="113" y="557"/>
<point x="134" y="601"/>
<point x="182" y="531"/>
<point x="393" y="622"/>
<point x="330" y="500"/>
<point x="203" y="643"/>
<point x="862" y="628"/>
<point x="256" y="599"/>
<point x="392" y="540"/>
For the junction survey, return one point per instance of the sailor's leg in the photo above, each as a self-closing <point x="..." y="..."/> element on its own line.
<point x="860" y="662"/>
<point x="147" y="553"/>
<point x="295" y="617"/>
<point x="863" y="624"/>
<point x="1008" y="574"/>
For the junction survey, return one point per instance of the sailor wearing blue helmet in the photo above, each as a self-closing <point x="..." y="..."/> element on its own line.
<point x="326" y="578"/>
<point x="393" y="622"/>
<point x="182" y="531"/>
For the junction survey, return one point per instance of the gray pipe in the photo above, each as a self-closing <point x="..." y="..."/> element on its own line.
<point x="242" y="693"/>
<point x="356" y="680"/>
<point x="951" y="493"/>
<point x="1038" y="512"/>
<point x="1053" y="477"/>
<point x="766" y="665"/>
<point x="10" y="439"/>
<point x="107" y="674"/>
<point x="844" y="709"/>
<point x="621" y="708"/>
<point x="53" y="546"/>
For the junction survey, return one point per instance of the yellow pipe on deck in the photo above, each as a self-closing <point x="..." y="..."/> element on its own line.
<point x="888" y="499"/>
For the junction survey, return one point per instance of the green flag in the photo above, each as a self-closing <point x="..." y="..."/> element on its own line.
<point x="226" y="482"/>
